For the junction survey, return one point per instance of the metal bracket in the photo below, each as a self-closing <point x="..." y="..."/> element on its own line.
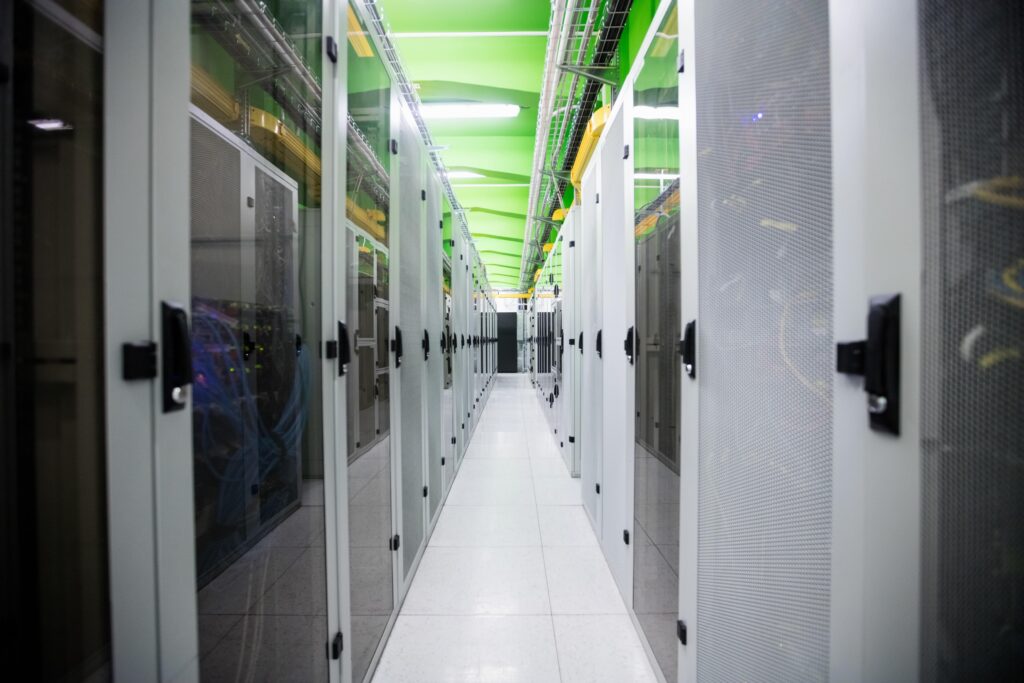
<point x="337" y="645"/>
<point x="557" y="175"/>
<point x="138" y="360"/>
<point x="594" y="73"/>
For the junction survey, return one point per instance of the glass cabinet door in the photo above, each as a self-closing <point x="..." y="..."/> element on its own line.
<point x="370" y="472"/>
<point x="258" y="446"/>
<point x="411" y="375"/>
<point x="53" y="433"/>
<point x="657" y="328"/>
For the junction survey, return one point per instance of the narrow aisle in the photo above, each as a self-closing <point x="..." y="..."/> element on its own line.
<point x="513" y="586"/>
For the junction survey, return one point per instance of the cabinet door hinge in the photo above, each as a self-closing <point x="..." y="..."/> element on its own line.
<point x="625" y="536"/>
<point x="396" y="542"/>
<point x="138" y="360"/>
<point x="336" y="646"/>
<point x="597" y="487"/>
<point x="681" y="631"/>
<point x="424" y="491"/>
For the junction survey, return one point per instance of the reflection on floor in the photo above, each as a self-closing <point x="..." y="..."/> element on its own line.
<point x="369" y="496"/>
<point x="656" y="556"/>
<point x="513" y="586"/>
<point x="264" y="617"/>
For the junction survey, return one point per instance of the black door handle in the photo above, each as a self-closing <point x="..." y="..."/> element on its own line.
<point x="396" y="347"/>
<point x="426" y="345"/>
<point x="344" y="348"/>
<point x="177" y="356"/>
<point x="688" y="349"/>
<point x="581" y="342"/>
<point x="628" y="345"/>
<point x="248" y="346"/>
<point x="597" y="344"/>
<point x="878" y="360"/>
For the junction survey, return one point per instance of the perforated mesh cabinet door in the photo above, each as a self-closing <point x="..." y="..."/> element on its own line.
<point x="413" y="369"/>
<point x="766" y="348"/>
<point x="972" y="90"/>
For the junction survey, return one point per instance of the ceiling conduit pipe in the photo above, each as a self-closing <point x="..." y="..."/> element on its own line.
<point x="282" y="46"/>
<point x="607" y="45"/>
<point x="557" y="37"/>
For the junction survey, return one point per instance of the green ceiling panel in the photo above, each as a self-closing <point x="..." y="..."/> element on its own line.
<point x="486" y="69"/>
<point x="460" y="15"/>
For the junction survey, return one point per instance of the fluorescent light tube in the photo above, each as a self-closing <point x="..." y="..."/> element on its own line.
<point x="655" y="176"/>
<point x="463" y="175"/>
<point x="50" y="124"/>
<point x="474" y="110"/>
<point x="648" y="113"/>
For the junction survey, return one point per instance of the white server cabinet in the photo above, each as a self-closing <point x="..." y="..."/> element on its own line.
<point x="766" y="357"/>
<point x="591" y="285"/>
<point x="569" y="361"/>
<point x="431" y="348"/>
<point x="459" y="348"/>
<point x="614" y="200"/>
<point x="408" y="357"/>
<point x="927" y="169"/>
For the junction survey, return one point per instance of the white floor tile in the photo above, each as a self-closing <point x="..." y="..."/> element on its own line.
<point x="454" y="581"/>
<point x="565" y="525"/>
<point x="486" y="527"/>
<point x="501" y="468"/>
<point x="580" y="582"/>
<point x="593" y="649"/>
<point x="491" y="491"/>
<point x="549" y="468"/>
<point x="513" y="586"/>
<point x="483" y="449"/>
<point x="470" y="649"/>
<point x="557" y="491"/>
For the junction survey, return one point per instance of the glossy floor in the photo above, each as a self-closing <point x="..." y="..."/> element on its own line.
<point x="513" y="586"/>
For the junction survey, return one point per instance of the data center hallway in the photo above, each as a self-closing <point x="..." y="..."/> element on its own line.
<point x="513" y="585"/>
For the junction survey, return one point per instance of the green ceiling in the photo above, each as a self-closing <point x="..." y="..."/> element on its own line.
<point x="492" y="69"/>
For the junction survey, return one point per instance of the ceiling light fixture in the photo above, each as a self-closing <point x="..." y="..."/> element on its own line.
<point x="50" y="124"/>
<point x="655" y="176"/>
<point x="357" y="36"/>
<point x="463" y="175"/>
<point x="469" y="110"/>
<point x="656" y="113"/>
<point x="471" y="34"/>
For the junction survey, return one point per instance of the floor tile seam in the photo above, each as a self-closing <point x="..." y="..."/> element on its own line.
<point x="484" y="614"/>
<point x="517" y="546"/>
<point x="266" y="568"/>
<point x="220" y="640"/>
<point x="547" y="581"/>
<point x="291" y="564"/>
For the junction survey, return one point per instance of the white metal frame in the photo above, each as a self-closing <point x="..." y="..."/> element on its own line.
<point x="149" y="463"/>
<point x="877" y="208"/>
<point x="147" y="251"/>
<point x="615" y="199"/>
<point x="590" y="301"/>
<point x="689" y="459"/>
